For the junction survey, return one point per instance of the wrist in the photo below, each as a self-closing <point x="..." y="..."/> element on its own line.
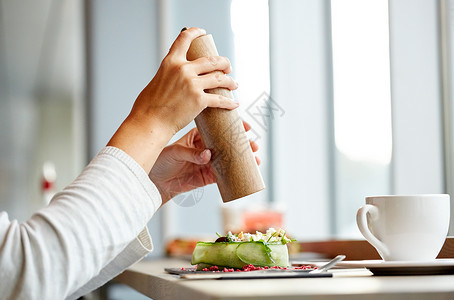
<point x="165" y="197"/>
<point x="143" y="141"/>
<point x="151" y="125"/>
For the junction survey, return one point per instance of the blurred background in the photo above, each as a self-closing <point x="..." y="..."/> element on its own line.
<point x="347" y="98"/>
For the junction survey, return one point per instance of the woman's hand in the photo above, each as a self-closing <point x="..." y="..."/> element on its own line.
<point x="174" y="97"/>
<point x="184" y="165"/>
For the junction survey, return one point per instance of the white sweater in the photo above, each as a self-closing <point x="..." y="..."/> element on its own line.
<point x="89" y="233"/>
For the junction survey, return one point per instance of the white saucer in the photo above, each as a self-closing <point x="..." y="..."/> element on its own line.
<point x="380" y="267"/>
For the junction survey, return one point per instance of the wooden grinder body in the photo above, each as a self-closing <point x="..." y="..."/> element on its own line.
<point x="233" y="162"/>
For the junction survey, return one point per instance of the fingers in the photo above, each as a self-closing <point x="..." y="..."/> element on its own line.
<point x="204" y="156"/>
<point x="181" y="45"/>
<point x="217" y="80"/>
<point x="193" y="155"/>
<point x="188" y="138"/>
<point x="254" y="146"/>
<point x="193" y="134"/>
<point x="214" y="100"/>
<point x="209" y="64"/>
<point x="246" y="126"/>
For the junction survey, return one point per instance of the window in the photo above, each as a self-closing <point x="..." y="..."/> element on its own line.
<point x="357" y="91"/>
<point x="360" y="84"/>
<point x="362" y="106"/>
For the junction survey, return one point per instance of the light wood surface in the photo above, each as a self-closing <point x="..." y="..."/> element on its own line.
<point x="360" y="249"/>
<point x="448" y="249"/>
<point x="234" y="166"/>
<point x="149" y="278"/>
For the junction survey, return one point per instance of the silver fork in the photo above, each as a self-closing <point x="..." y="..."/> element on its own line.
<point x="329" y="264"/>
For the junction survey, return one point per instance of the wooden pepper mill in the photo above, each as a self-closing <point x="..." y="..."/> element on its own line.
<point x="233" y="162"/>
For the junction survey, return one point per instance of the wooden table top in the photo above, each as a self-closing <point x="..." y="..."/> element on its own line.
<point x="149" y="278"/>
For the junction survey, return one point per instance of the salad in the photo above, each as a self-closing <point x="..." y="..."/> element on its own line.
<point x="271" y="236"/>
<point x="238" y="250"/>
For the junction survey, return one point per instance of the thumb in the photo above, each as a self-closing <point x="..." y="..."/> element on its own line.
<point x="194" y="155"/>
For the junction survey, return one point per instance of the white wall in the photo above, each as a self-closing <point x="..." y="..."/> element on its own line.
<point x="123" y="50"/>
<point x="416" y="97"/>
<point x="447" y="50"/>
<point x="301" y="85"/>
<point x="41" y="103"/>
<point x="123" y="55"/>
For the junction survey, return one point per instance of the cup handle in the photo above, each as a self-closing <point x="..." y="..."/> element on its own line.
<point x="361" y="220"/>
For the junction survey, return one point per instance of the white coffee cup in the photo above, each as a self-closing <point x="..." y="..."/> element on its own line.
<point x="405" y="227"/>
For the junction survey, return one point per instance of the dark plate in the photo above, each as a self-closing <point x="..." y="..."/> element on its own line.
<point x="191" y="273"/>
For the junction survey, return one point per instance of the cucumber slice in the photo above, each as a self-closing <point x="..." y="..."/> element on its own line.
<point x="219" y="254"/>
<point x="255" y="253"/>
<point x="239" y="254"/>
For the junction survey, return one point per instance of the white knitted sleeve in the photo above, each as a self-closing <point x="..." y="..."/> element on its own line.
<point x="90" y="232"/>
